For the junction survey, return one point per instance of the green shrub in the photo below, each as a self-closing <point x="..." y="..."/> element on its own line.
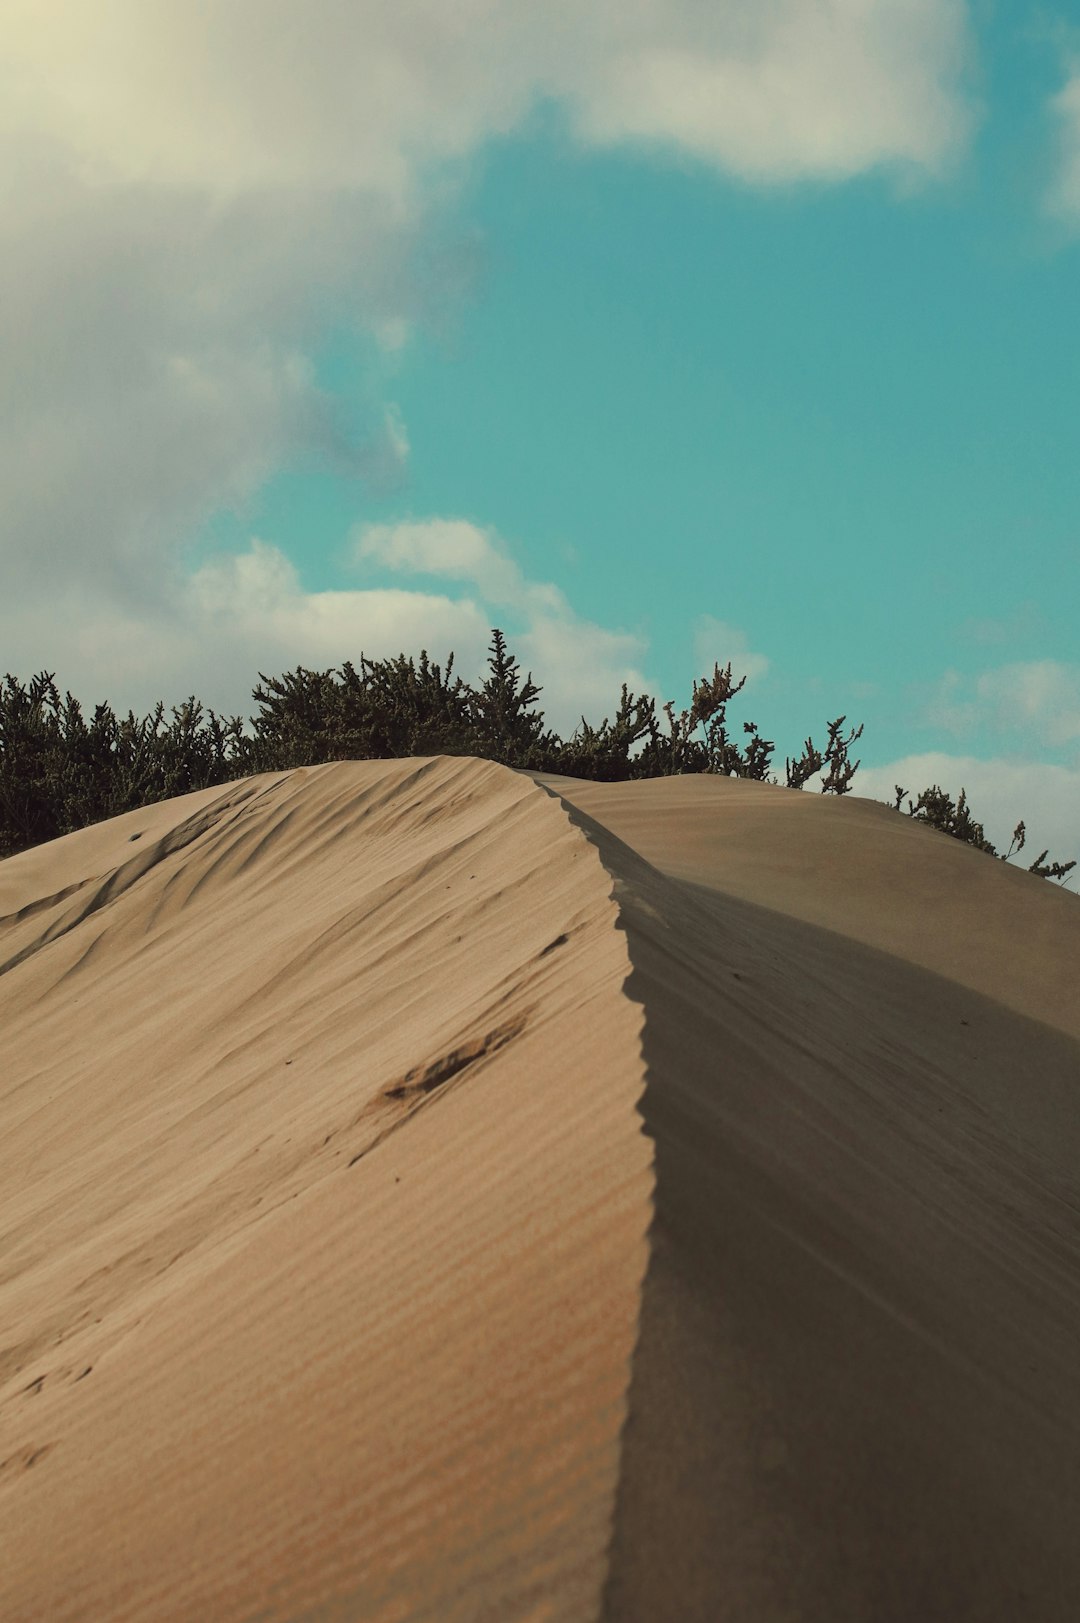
<point x="937" y="808"/>
<point x="59" y="772"/>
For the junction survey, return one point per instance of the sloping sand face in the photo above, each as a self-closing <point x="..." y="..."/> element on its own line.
<point x="338" y="1278"/>
<point x="856" y="1392"/>
<point x="323" y="1202"/>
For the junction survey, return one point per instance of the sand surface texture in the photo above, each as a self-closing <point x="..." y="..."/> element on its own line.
<point x="429" y="1191"/>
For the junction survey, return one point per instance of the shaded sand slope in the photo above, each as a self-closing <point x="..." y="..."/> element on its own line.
<point x="323" y="1202"/>
<point x="327" y="1283"/>
<point x="856" y="1393"/>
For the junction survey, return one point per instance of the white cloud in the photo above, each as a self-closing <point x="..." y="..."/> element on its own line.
<point x="191" y="197"/>
<point x="247" y="612"/>
<point x="717" y="642"/>
<point x="782" y="92"/>
<point x="582" y="665"/>
<point x="1036" y="699"/>
<point x="255" y="602"/>
<point x="257" y="94"/>
<point x="218" y="627"/>
<point x="1065" y="108"/>
<point x="156" y="367"/>
<point x="452" y="548"/>
<point x="1001" y="792"/>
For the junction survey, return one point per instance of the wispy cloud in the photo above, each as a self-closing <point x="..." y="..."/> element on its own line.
<point x="786" y="91"/>
<point x="1039" y="700"/>
<point x="454" y="549"/>
<point x="1022" y="622"/>
<point x="717" y="642"/>
<point x="1065" y="110"/>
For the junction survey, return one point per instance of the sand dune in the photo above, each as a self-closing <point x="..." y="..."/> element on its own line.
<point x="433" y="1192"/>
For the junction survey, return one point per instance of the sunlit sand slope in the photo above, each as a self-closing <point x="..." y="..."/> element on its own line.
<point x="323" y="1201"/>
<point x="432" y="1192"/>
<point x="856" y="1391"/>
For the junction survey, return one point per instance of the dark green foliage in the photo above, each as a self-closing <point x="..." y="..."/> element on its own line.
<point x="397" y="707"/>
<point x="693" y="740"/>
<point x="935" y="807"/>
<point x="1049" y="870"/>
<point x="59" y="772"/>
<point x="698" y="740"/>
<point x="390" y="707"/>
<point x="504" y="722"/>
<point x="842" y="769"/>
<point x="605" y="752"/>
<point x="938" y="809"/>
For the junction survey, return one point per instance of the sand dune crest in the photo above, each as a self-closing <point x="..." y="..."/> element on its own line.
<point x="428" y="1191"/>
<point x="324" y="1206"/>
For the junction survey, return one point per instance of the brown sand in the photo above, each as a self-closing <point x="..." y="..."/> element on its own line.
<point x="339" y="1278"/>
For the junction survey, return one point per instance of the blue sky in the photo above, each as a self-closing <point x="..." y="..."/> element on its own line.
<point x="698" y="341"/>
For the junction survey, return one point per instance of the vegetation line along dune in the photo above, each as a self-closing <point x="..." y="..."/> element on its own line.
<point x="59" y="772"/>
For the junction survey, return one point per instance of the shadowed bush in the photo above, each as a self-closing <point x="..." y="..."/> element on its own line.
<point x="59" y="772"/>
<point x="937" y="808"/>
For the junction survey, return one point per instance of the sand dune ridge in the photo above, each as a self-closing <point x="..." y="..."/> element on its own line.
<point x="430" y="1191"/>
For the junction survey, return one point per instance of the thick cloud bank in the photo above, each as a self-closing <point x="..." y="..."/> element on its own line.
<point x="192" y="196"/>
